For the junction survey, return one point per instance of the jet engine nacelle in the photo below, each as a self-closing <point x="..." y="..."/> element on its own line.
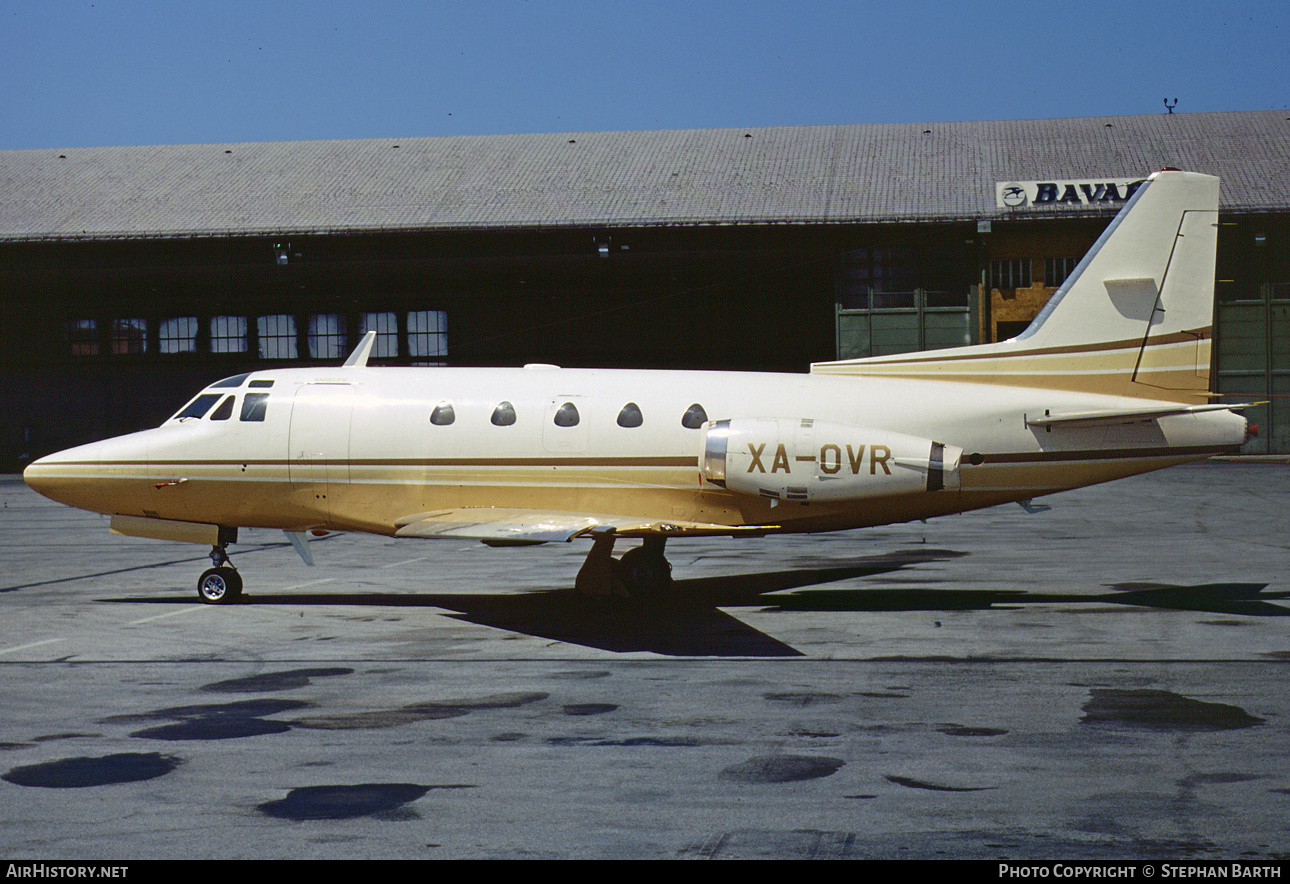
<point x="808" y="460"/>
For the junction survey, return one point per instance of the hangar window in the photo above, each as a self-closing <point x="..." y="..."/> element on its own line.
<point x="277" y="336"/>
<point x="428" y="336"/>
<point x="386" y="326"/>
<point x="198" y="407"/>
<point x="444" y="414"/>
<point x="129" y="337"/>
<point x="83" y="337"/>
<point x="503" y="414"/>
<point x="1057" y="269"/>
<point x="567" y="415"/>
<point x="225" y="410"/>
<point x="694" y="417"/>
<point x="327" y="338"/>
<point x="254" y="405"/>
<point x="178" y="335"/>
<point x="630" y="416"/>
<point x="1010" y="273"/>
<point x="877" y="278"/>
<point x="228" y="334"/>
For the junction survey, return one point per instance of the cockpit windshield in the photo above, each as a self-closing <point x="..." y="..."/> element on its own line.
<point x="254" y="405"/>
<point x="235" y="381"/>
<point x="198" y="407"/>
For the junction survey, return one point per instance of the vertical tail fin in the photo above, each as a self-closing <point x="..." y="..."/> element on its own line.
<point x="1133" y="319"/>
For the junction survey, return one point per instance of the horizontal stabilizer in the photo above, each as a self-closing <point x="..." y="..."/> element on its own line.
<point x="1126" y="416"/>
<point x="500" y="525"/>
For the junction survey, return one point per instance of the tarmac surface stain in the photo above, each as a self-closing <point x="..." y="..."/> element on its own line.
<point x="348" y="802"/>
<point x="214" y="721"/>
<point x="589" y="708"/>
<point x="911" y="783"/>
<point x="217" y="727"/>
<point x="804" y="698"/>
<point x="1217" y="778"/>
<point x="1162" y="710"/>
<point x="960" y="730"/>
<point x="782" y="769"/>
<point x="274" y="681"/>
<point x="664" y="742"/>
<point x="428" y="711"/>
<point x="75" y="773"/>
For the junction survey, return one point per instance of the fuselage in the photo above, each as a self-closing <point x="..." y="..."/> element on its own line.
<point x="359" y="448"/>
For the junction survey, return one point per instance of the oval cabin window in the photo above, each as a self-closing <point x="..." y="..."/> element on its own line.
<point x="503" y="414"/>
<point x="695" y="417"/>
<point x="630" y="417"/>
<point x="566" y="415"/>
<point x="443" y="415"/>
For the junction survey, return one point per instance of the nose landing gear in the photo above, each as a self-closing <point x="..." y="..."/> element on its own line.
<point x="222" y="584"/>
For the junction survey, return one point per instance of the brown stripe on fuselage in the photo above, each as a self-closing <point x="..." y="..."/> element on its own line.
<point x="943" y="356"/>
<point x="257" y="493"/>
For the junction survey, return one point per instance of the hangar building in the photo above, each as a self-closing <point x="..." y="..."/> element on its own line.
<point x="132" y="276"/>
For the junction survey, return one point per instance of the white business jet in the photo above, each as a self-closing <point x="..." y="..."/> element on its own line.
<point x="1110" y="380"/>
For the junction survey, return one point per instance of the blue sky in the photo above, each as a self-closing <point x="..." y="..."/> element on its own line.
<point x="110" y="72"/>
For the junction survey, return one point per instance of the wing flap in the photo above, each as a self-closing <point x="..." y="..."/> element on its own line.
<point x="502" y="525"/>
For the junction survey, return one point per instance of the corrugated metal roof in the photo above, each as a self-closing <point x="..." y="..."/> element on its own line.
<point x="801" y="174"/>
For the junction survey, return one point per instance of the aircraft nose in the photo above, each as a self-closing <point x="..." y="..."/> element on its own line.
<point x="87" y="476"/>
<point x="61" y="476"/>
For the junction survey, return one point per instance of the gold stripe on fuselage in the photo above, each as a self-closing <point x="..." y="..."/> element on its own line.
<point x="371" y="495"/>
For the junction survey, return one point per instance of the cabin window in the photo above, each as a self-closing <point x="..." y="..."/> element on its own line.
<point x="254" y="405"/>
<point x="199" y="406"/>
<point x="129" y="337"/>
<point x="444" y="414"/>
<point x="503" y="414"/>
<point x="630" y="417"/>
<point x="567" y="415"/>
<point x="228" y="334"/>
<point x="327" y="336"/>
<point x="178" y="335"/>
<point x="277" y="336"/>
<point x="225" y="410"/>
<point x="694" y="417"/>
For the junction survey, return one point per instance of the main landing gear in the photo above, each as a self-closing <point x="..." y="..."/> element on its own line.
<point x="642" y="573"/>
<point x="220" y="585"/>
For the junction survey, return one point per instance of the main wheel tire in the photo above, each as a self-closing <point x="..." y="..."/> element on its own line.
<point x="644" y="572"/>
<point x="219" y="586"/>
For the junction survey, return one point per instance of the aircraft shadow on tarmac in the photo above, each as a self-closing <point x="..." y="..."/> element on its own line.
<point x="688" y="620"/>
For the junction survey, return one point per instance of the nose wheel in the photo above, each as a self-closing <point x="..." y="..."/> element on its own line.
<point x="221" y="585"/>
